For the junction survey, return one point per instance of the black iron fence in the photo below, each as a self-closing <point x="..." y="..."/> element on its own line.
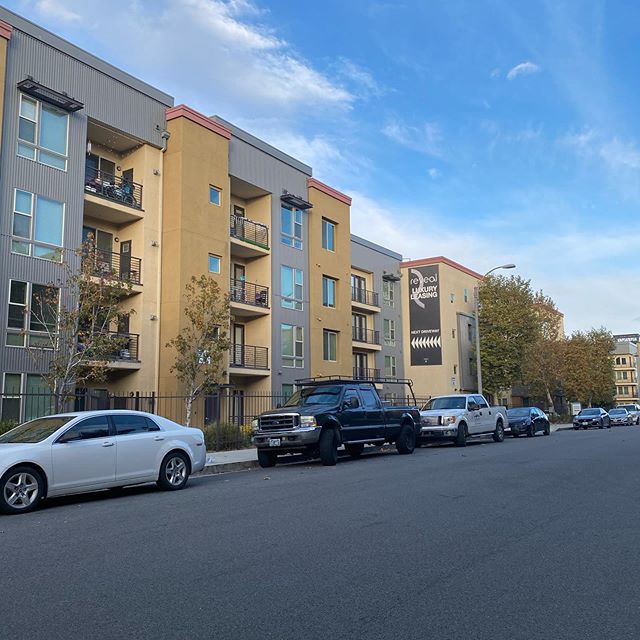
<point x="363" y="296"/>
<point x="124" y="267"/>
<point x="368" y="336"/>
<point x="116" y="188"/>
<point x="249" y="293"/>
<point x="249" y="231"/>
<point x="249" y="356"/>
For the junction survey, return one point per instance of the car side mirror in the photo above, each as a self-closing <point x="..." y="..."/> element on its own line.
<point x="354" y="403"/>
<point x="473" y="406"/>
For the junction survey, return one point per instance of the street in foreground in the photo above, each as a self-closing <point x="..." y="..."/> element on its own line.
<point x="530" y="538"/>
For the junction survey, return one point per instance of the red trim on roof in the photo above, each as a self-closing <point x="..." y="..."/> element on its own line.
<point x="330" y="191"/>
<point x="182" y="111"/>
<point x="5" y="30"/>
<point x="441" y="260"/>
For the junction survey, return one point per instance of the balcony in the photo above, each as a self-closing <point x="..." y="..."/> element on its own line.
<point x="249" y="239"/>
<point x="366" y="338"/>
<point x="112" y="197"/>
<point x="365" y="300"/>
<point x="249" y="360"/>
<point x="124" y="354"/>
<point x="361" y="373"/>
<point x="117" y="266"/>
<point x="248" y="299"/>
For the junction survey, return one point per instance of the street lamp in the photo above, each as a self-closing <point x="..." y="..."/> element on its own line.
<point x="476" y="308"/>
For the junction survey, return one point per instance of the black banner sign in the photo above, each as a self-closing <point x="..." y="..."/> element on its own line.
<point x="424" y="316"/>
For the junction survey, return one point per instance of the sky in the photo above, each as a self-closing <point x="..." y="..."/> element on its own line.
<point x="488" y="131"/>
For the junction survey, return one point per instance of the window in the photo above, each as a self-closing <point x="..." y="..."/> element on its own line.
<point x="96" y="427"/>
<point x="388" y="293"/>
<point x="390" y="366"/>
<point x="625" y="375"/>
<point x="328" y="292"/>
<point x="329" y="346"/>
<point x="37" y="226"/>
<point x="389" y="332"/>
<point x="369" y="398"/>
<point x="480" y="401"/>
<point x="214" y="263"/>
<point x="452" y="297"/>
<point x="215" y="195"/>
<point x="291" y="287"/>
<point x="453" y="333"/>
<point x="455" y="369"/>
<point x="328" y="235"/>
<point x="43" y="133"/>
<point x="129" y="424"/>
<point x="291" y="227"/>
<point x="32" y="310"/>
<point x="287" y="391"/>
<point x="350" y="393"/>
<point x="292" y="346"/>
<point x="466" y="295"/>
<point x="25" y="397"/>
<point x="618" y="360"/>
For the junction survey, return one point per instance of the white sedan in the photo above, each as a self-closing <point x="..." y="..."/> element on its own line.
<point x="90" y="450"/>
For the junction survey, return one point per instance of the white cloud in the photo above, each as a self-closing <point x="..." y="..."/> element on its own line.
<point x="362" y="81"/>
<point x="433" y="173"/>
<point x="57" y="11"/>
<point x="424" y="138"/>
<point x="524" y="68"/>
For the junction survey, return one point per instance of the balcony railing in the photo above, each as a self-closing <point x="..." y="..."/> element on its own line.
<point x="362" y="373"/>
<point x="120" y="266"/>
<point x="368" y="336"/>
<point x="249" y="357"/>
<point x="249" y="231"/>
<point x="115" y="188"/>
<point x="364" y="297"/>
<point x="125" y="347"/>
<point x="249" y="293"/>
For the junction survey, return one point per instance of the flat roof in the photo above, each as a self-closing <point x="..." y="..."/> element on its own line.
<point x="64" y="46"/>
<point x="375" y="247"/>
<point x="441" y="260"/>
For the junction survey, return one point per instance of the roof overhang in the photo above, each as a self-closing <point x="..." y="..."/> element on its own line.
<point x="295" y="201"/>
<point x="55" y="98"/>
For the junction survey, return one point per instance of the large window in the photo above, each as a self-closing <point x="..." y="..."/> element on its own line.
<point x="43" y="133"/>
<point x="388" y="293"/>
<point x="292" y="346"/>
<point x="24" y="397"/>
<point x="328" y="235"/>
<point x="37" y="226"/>
<point x="328" y="292"/>
<point x="389" y="333"/>
<point x="390" y="366"/>
<point x="32" y="314"/>
<point x="329" y="345"/>
<point x="291" y="227"/>
<point x="291" y="285"/>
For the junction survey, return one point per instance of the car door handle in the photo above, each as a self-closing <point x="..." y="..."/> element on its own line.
<point x="108" y="444"/>
<point x="158" y="438"/>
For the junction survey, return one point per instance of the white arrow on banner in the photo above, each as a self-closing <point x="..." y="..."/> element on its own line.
<point x="426" y="343"/>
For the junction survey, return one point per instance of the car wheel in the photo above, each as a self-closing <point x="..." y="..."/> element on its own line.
<point x="498" y="434"/>
<point x="174" y="471"/>
<point x="267" y="459"/>
<point x="22" y="489"/>
<point x="354" y="450"/>
<point x="461" y="437"/>
<point x="601" y="425"/>
<point x="547" y="429"/>
<point x="328" y="447"/>
<point x="406" y="440"/>
<point x="515" y="434"/>
<point x="531" y="431"/>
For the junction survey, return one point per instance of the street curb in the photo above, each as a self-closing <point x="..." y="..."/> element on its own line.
<point x="226" y="467"/>
<point x="564" y="427"/>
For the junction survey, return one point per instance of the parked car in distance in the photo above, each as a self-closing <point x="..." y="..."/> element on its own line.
<point x="527" y="420"/>
<point x="634" y="412"/>
<point x="594" y="417"/>
<point x="620" y="415"/>
<point x="458" y="416"/>
<point x="86" y="451"/>
<point x="328" y="412"/>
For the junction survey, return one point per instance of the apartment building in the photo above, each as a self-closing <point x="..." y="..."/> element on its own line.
<point x="376" y="313"/>
<point x="625" y="366"/>
<point x="81" y="158"/>
<point x="438" y="325"/>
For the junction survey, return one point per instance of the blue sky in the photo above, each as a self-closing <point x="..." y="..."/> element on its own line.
<point x="489" y="131"/>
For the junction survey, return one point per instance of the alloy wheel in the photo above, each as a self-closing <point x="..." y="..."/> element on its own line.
<point x="176" y="471"/>
<point x="21" y="490"/>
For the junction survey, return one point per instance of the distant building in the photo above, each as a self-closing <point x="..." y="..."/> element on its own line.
<point x="625" y="366"/>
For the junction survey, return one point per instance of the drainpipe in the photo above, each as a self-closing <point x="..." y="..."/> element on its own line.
<point x="165" y="135"/>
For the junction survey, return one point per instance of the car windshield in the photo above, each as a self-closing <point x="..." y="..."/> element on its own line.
<point x="313" y="395"/>
<point x="628" y="407"/>
<point x="453" y="402"/>
<point x="617" y="412"/>
<point x="590" y="412"/>
<point x="518" y="413"/>
<point x="34" y="430"/>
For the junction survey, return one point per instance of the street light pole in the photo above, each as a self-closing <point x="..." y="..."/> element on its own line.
<point x="476" y="310"/>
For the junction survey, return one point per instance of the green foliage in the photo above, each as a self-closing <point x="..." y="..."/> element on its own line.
<point x="227" y="437"/>
<point x="7" y="425"/>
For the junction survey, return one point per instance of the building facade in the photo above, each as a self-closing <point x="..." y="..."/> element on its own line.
<point x="625" y="366"/>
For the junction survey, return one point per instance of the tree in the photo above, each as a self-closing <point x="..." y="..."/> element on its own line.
<point x="508" y="330"/>
<point x="202" y="344"/>
<point x="588" y="367"/>
<point x="74" y="320"/>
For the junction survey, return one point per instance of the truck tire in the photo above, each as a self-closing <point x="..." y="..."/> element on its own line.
<point x="461" y="437"/>
<point x="328" y="447"/>
<point x="498" y="434"/>
<point x="406" y="440"/>
<point x="267" y="458"/>
<point x="354" y="450"/>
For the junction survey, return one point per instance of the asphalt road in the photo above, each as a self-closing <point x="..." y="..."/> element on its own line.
<point x="525" y="539"/>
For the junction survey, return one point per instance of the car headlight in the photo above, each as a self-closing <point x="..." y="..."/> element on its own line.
<point x="308" y="421"/>
<point x="448" y="419"/>
<point x="254" y="424"/>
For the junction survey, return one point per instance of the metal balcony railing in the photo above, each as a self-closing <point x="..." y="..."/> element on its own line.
<point x="368" y="336"/>
<point x="362" y="373"/>
<point x="121" y="266"/>
<point x="363" y="296"/>
<point x="249" y="356"/>
<point x="249" y="293"/>
<point x="115" y="188"/>
<point x="125" y="347"/>
<point x="249" y="231"/>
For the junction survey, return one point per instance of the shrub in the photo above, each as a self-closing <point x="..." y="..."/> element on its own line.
<point x="7" y="425"/>
<point x="226" y="437"/>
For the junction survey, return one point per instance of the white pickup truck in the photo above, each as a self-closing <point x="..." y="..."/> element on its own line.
<point x="459" y="416"/>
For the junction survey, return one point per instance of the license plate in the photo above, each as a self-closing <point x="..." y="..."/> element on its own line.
<point x="274" y="442"/>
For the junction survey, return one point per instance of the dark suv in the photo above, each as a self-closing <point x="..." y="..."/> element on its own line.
<point x="592" y="418"/>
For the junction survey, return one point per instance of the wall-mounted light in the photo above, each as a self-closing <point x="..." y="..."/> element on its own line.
<point x="116" y="239"/>
<point x="156" y="172"/>
<point x="153" y="316"/>
<point x="155" y="243"/>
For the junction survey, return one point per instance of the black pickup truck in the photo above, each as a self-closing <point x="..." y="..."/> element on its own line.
<point x="325" y="413"/>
